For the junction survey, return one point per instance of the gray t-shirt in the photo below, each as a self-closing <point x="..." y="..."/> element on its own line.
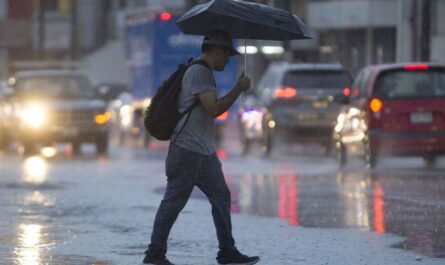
<point x="198" y="134"/>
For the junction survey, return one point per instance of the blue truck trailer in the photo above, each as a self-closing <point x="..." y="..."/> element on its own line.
<point x="155" y="47"/>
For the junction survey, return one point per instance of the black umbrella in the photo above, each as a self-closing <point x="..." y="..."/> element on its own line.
<point x="243" y="20"/>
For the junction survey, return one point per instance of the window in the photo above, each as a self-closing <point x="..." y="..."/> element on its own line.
<point x="401" y="84"/>
<point x="55" y="87"/>
<point x="319" y="79"/>
<point x="358" y="88"/>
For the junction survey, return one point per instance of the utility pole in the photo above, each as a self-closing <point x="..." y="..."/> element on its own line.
<point x="73" y="45"/>
<point x="41" y="30"/>
<point x="369" y="36"/>
<point x="425" y="33"/>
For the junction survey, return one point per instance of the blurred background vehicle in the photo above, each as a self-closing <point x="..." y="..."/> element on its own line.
<point x="300" y="100"/>
<point x="56" y="106"/>
<point x="395" y="109"/>
<point x="255" y="124"/>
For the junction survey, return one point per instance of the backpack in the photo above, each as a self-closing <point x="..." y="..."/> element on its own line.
<point x="162" y="115"/>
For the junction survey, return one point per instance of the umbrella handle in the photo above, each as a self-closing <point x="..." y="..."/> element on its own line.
<point x="245" y="67"/>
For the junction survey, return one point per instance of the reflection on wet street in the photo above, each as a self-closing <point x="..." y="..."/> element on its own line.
<point x="53" y="205"/>
<point x="410" y="204"/>
<point x="35" y="170"/>
<point x="29" y="224"/>
<point x="30" y="240"/>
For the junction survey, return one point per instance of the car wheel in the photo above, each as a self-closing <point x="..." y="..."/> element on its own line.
<point x="3" y="141"/>
<point x="102" y="144"/>
<point x="267" y="144"/>
<point x="75" y="146"/>
<point x="340" y="153"/>
<point x="29" y="148"/>
<point x="245" y="145"/>
<point x="326" y="148"/>
<point x="147" y="139"/>
<point x="121" y="135"/>
<point x="429" y="161"/>
<point x="370" y="157"/>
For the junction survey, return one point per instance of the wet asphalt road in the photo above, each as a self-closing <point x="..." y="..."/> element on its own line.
<point x="49" y="202"/>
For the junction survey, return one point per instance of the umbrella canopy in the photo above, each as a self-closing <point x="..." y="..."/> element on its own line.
<point x="243" y="20"/>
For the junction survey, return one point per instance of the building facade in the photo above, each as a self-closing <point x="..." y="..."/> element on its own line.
<point x="362" y="32"/>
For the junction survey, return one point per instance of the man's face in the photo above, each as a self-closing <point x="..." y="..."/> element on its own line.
<point x="223" y="59"/>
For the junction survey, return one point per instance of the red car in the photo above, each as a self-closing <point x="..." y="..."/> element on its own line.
<point x="394" y="109"/>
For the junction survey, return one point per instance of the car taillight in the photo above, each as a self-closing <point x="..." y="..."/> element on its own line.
<point x="165" y="16"/>
<point x="285" y="92"/>
<point x="416" y="67"/>
<point x="346" y="91"/>
<point x="375" y="105"/>
<point x="223" y="117"/>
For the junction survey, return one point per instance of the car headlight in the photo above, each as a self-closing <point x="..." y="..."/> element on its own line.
<point x="252" y="119"/>
<point x="102" y="118"/>
<point x="126" y="115"/>
<point x="34" y="115"/>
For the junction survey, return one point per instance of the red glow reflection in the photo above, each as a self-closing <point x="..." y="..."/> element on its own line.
<point x="288" y="199"/>
<point x="221" y="153"/>
<point x="379" y="214"/>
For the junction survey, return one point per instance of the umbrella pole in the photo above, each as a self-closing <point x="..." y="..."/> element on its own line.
<point x="245" y="66"/>
<point x="245" y="56"/>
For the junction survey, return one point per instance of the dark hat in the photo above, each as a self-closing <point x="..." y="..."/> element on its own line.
<point x="220" y="38"/>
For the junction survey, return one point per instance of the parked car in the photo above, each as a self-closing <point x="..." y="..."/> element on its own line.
<point x="54" y="106"/>
<point x="395" y="109"/>
<point x="303" y="100"/>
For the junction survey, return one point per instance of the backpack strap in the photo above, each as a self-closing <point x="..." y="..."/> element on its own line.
<point x="188" y="110"/>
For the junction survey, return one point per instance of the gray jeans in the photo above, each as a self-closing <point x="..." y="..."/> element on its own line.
<point x="184" y="170"/>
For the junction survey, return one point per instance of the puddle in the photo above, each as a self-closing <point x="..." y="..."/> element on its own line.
<point x="410" y="206"/>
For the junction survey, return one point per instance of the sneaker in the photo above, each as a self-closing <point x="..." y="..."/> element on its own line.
<point x="157" y="260"/>
<point x="235" y="258"/>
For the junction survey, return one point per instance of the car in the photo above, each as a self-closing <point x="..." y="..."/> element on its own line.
<point x="394" y="109"/>
<point x="301" y="100"/>
<point x="57" y="106"/>
<point x="255" y="125"/>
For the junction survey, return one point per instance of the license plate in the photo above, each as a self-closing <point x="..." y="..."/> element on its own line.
<point x="421" y="117"/>
<point x="306" y="116"/>
<point x="320" y="104"/>
<point x="69" y="131"/>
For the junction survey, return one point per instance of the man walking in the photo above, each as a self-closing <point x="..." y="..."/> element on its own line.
<point x="191" y="158"/>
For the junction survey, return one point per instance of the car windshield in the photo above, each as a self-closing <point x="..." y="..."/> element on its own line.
<point x="401" y="84"/>
<point x="65" y="87"/>
<point x="320" y="79"/>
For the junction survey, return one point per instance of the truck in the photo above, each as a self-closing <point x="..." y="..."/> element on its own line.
<point x="155" y="46"/>
<point x="49" y="106"/>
